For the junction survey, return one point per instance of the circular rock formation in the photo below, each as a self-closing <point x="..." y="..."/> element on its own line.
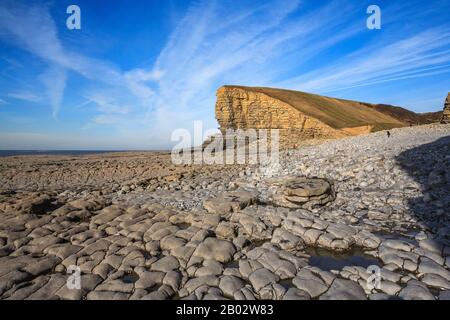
<point x="300" y="192"/>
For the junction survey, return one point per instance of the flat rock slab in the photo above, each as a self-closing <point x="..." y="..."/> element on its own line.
<point x="262" y="277"/>
<point x="230" y="284"/>
<point x="165" y="264"/>
<point x="415" y="291"/>
<point x="307" y="282"/>
<point x="215" y="249"/>
<point x="344" y="290"/>
<point x="230" y="202"/>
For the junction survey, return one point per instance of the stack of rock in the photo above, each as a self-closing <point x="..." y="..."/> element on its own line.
<point x="300" y="192"/>
<point x="446" y="113"/>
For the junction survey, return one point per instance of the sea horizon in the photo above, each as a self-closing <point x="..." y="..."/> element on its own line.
<point x="68" y="152"/>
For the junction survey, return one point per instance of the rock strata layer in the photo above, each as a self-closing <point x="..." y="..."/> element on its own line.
<point x="300" y="192"/>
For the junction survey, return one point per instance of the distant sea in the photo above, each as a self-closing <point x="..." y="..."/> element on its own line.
<point x="7" y="153"/>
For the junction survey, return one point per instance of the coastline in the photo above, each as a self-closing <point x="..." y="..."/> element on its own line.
<point x="139" y="227"/>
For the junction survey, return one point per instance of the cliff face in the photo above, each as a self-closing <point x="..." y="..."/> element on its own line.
<point x="446" y="113"/>
<point x="298" y="116"/>
<point x="303" y="116"/>
<point x="237" y="108"/>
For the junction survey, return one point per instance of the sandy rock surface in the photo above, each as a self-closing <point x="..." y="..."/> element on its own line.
<point x="139" y="227"/>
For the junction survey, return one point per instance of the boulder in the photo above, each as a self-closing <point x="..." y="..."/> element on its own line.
<point x="300" y="192"/>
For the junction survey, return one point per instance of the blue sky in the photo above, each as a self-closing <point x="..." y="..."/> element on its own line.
<point x="137" y="70"/>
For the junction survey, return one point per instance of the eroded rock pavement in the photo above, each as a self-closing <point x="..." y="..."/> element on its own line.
<point x="138" y="227"/>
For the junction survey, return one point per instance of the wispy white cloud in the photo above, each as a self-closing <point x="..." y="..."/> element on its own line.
<point x="3" y="101"/>
<point x="212" y="46"/>
<point x="107" y="103"/>
<point x="25" y="96"/>
<point x="107" y="119"/>
<point x="13" y="63"/>
<point x="18" y="21"/>
<point x="54" y="81"/>
<point x="416" y="56"/>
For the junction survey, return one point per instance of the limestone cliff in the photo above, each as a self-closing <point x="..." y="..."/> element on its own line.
<point x="237" y="108"/>
<point x="298" y="116"/>
<point x="446" y="113"/>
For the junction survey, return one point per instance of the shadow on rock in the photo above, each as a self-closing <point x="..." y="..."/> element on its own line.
<point x="429" y="166"/>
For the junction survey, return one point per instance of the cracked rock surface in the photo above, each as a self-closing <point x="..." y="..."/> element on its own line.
<point x="308" y="227"/>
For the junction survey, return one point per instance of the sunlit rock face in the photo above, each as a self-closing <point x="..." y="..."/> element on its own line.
<point x="237" y="108"/>
<point x="300" y="116"/>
